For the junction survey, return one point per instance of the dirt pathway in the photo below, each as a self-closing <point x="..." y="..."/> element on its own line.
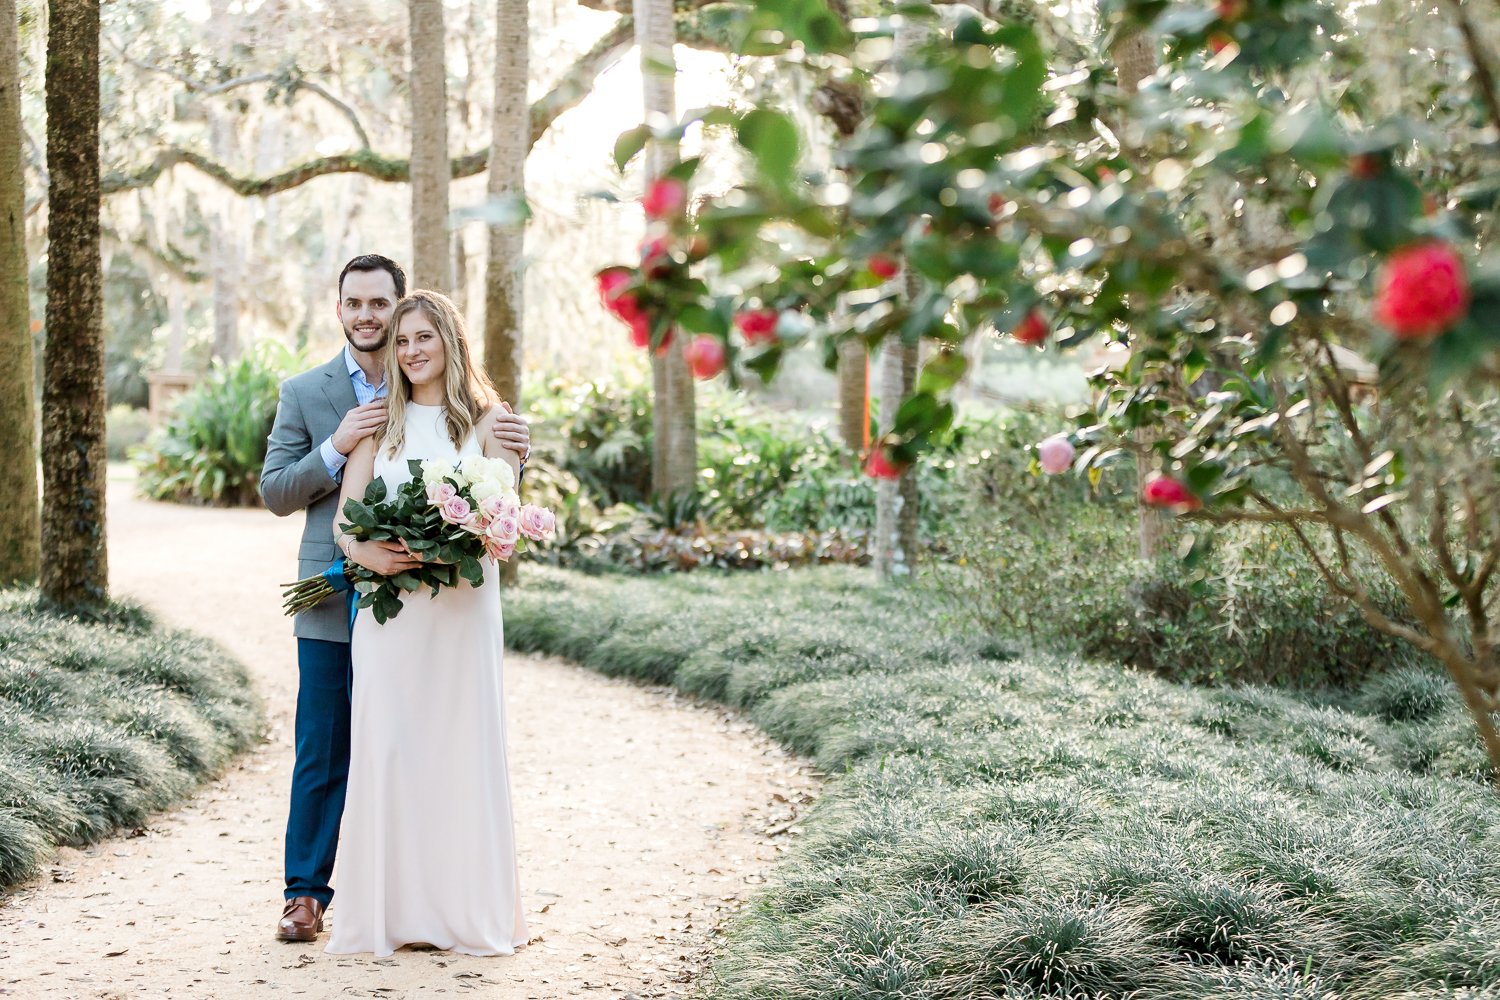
<point x="641" y="821"/>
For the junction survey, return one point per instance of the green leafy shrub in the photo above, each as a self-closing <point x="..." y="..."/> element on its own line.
<point x="1059" y="568"/>
<point x="125" y="428"/>
<point x="1045" y="827"/>
<point x="104" y="722"/>
<point x="211" y="448"/>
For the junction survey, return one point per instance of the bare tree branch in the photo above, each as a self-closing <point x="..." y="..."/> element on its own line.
<point x="569" y="91"/>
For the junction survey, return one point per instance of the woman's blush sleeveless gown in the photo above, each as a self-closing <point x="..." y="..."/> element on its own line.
<point x="427" y="845"/>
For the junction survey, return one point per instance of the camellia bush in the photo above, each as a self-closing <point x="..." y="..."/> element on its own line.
<point x="1274" y="215"/>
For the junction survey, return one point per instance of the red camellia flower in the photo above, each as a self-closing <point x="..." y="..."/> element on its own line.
<point x="705" y="355"/>
<point x="1219" y="41"/>
<point x="1365" y="166"/>
<point x="883" y="266"/>
<point x="758" y="325"/>
<point x="656" y="257"/>
<point x="997" y="205"/>
<point x="664" y="197"/>
<point x="881" y="464"/>
<point x="1032" y="330"/>
<point x="1231" y="10"/>
<point x="1164" y="491"/>
<point x="1421" y="290"/>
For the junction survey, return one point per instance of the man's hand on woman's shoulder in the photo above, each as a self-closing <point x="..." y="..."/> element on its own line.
<point x="510" y="430"/>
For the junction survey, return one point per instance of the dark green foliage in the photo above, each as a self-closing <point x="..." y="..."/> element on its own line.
<point x="104" y="722"/>
<point x="1043" y="827"/>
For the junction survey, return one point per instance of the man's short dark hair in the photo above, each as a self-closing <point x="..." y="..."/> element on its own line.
<point x="375" y="262"/>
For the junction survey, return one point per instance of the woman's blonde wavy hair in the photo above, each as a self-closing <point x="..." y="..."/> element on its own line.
<point x="467" y="392"/>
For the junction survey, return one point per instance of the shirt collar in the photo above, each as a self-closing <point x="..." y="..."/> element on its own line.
<point x="355" y="371"/>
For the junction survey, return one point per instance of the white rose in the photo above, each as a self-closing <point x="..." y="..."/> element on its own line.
<point x="483" y="489"/>
<point x="434" y="470"/>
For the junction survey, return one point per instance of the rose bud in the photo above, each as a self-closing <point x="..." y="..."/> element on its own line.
<point x="758" y="325"/>
<point x="1055" y="454"/>
<point x="1421" y="290"/>
<point x="1164" y="491"/>
<point x="882" y="465"/>
<point x="1032" y="330"/>
<point x="664" y="197"/>
<point x="883" y="266"/>
<point x="705" y="356"/>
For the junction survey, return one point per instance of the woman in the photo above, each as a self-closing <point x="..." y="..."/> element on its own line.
<point x="427" y="844"/>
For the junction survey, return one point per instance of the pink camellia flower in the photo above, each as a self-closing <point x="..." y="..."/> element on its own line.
<point x="656" y="259"/>
<point x="1055" y="454"/>
<point x="664" y="197"/>
<point x="620" y="303"/>
<point x="1421" y="290"/>
<point x="440" y="493"/>
<point x="705" y="355"/>
<point x="537" y="523"/>
<point x="1164" y="491"/>
<point x="758" y="325"/>
<point x="881" y="464"/>
<point x="456" y="510"/>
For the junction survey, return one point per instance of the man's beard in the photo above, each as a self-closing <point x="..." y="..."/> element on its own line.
<point x="385" y="335"/>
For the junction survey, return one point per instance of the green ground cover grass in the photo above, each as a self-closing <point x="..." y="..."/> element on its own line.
<point x="1004" y="826"/>
<point x="104" y="722"/>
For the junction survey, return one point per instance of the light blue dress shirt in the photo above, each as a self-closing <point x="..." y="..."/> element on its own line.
<point x="364" y="393"/>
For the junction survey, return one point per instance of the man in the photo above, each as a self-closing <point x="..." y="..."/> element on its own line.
<point x="322" y="415"/>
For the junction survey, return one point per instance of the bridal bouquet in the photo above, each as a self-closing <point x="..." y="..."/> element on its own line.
<point x="448" y="516"/>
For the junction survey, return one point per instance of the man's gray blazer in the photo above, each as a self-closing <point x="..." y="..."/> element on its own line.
<point x="294" y="478"/>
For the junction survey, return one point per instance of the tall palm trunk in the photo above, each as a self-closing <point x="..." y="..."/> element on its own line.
<point x="674" y="411"/>
<point x="20" y="529"/>
<point x="75" y="574"/>
<point x="510" y="130"/>
<point x="432" y="265"/>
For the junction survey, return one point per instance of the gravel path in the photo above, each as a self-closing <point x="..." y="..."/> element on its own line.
<point x="643" y="820"/>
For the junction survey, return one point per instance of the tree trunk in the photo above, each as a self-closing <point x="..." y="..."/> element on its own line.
<point x="75" y="574"/>
<point x="854" y="394"/>
<point x="895" y="547"/>
<point x="503" y="285"/>
<point x="20" y="529"/>
<point x="674" y="416"/>
<point x="1135" y="61"/>
<point x="431" y="258"/>
<point x="224" y="220"/>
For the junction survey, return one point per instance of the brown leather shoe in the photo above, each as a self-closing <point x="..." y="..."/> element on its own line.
<point x="301" y="920"/>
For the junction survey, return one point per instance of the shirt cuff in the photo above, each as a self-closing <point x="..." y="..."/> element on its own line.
<point x="332" y="460"/>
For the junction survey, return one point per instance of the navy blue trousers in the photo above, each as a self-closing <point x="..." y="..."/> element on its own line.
<point x="322" y="769"/>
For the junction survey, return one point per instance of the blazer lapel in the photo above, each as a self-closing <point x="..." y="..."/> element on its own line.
<point x="337" y="386"/>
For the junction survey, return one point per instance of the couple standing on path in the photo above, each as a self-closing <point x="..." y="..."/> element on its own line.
<point x="411" y="765"/>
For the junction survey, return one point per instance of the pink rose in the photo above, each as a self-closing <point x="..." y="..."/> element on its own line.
<point x="1055" y="454"/>
<point x="499" y="551"/>
<point x="537" y="523"/>
<point x="456" y="510"/>
<point x="1421" y="290"/>
<point x="492" y="507"/>
<point x="505" y="528"/>
<point x="441" y="492"/>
